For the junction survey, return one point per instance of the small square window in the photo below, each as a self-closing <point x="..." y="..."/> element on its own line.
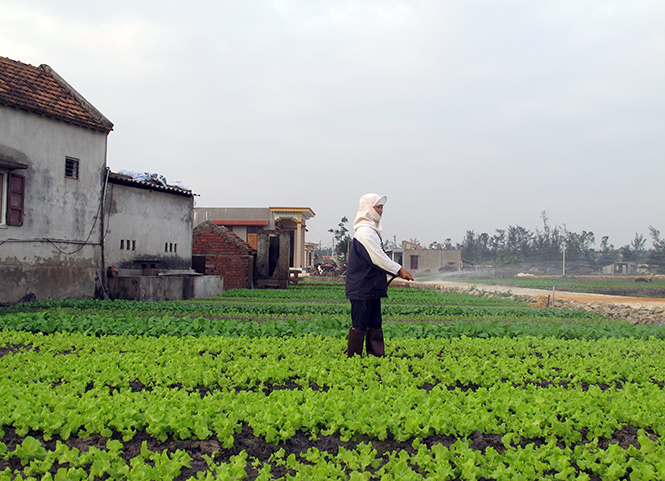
<point x="71" y="168"/>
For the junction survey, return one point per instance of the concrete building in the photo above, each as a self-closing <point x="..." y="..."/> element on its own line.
<point x="248" y="222"/>
<point x="416" y="260"/>
<point x="52" y="173"/>
<point x="65" y="218"/>
<point x="620" y="268"/>
<point x="148" y="226"/>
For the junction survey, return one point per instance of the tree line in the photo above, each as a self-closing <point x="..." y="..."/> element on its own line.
<point x="517" y="245"/>
<point x="542" y="248"/>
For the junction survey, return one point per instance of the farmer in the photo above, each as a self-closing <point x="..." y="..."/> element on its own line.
<point x="366" y="281"/>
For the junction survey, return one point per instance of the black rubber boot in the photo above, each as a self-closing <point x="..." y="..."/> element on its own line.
<point x="375" y="346"/>
<point x="356" y="342"/>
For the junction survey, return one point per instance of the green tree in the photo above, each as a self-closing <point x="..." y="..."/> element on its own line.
<point x="342" y="240"/>
<point x="638" y="246"/>
<point x="657" y="254"/>
<point x="606" y="252"/>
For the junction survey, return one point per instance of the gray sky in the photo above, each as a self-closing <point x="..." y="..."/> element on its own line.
<point x="466" y="114"/>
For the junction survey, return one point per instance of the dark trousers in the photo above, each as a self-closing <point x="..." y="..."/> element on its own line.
<point x="366" y="314"/>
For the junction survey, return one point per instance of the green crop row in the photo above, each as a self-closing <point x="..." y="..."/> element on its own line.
<point x="572" y="396"/>
<point x="276" y="301"/>
<point x="197" y="387"/>
<point x="337" y="295"/>
<point x="548" y="461"/>
<point x="550" y="323"/>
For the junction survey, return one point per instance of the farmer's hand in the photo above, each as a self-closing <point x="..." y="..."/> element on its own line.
<point x="404" y="274"/>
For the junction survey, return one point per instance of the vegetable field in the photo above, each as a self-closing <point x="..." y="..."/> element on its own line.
<point x="253" y="385"/>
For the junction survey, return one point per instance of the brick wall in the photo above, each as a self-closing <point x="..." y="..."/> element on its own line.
<point x="217" y="251"/>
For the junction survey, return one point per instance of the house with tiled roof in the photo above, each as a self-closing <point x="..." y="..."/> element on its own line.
<point x="52" y="177"/>
<point x="66" y="220"/>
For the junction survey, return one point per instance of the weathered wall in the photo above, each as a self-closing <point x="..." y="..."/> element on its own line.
<point x="56" y="252"/>
<point x="217" y="253"/>
<point x="164" y="288"/>
<point x="433" y="260"/>
<point x="156" y="225"/>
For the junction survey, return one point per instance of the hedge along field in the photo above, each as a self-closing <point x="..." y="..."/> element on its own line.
<point x="521" y="394"/>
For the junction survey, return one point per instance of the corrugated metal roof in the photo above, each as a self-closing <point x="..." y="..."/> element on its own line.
<point x="146" y="184"/>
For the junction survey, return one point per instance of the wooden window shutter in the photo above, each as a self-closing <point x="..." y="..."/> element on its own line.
<point x="253" y="240"/>
<point x="15" y="199"/>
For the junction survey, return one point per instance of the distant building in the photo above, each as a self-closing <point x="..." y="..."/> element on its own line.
<point x="247" y="222"/>
<point x="620" y="268"/>
<point x="416" y="260"/>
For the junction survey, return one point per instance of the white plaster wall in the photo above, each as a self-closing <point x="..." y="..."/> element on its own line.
<point x="56" y="207"/>
<point x="151" y="219"/>
<point x="46" y="257"/>
<point x="432" y="259"/>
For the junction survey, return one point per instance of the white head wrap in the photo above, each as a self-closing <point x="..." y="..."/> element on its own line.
<point x="367" y="216"/>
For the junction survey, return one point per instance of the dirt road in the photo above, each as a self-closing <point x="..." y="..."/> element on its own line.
<point x="635" y="302"/>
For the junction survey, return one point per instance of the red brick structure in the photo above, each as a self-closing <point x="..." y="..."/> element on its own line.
<point x="218" y="251"/>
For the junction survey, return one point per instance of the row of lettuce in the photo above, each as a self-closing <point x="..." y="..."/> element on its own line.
<point x="318" y="310"/>
<point x="557" y="390"/>
<point x="458" y="461"/>
<point x="556" y="405"/>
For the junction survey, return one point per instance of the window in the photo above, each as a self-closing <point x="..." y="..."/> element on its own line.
<point x="3" y="179"/>
<point x="127" y="244"/>
<point x="414" y="262"/>
<point x="15" y="198"/>
<point x="71" y="168"/>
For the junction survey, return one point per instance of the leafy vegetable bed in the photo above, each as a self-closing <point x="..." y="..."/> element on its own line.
<point x="579" y="400"/>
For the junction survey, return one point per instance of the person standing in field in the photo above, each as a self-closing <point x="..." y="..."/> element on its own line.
<point x="366" y="281"/>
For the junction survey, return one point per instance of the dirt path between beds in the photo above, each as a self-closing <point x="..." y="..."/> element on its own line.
<point x="634" y="302"/>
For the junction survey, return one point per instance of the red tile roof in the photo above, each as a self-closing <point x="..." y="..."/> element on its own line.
<point x="240" y="222"/>
<point x="42" y="91"/>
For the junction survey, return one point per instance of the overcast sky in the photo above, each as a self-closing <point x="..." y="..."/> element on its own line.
<point x="468" y="115"/>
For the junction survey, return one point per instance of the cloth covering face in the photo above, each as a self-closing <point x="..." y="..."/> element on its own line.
<point x="367" y="216"/>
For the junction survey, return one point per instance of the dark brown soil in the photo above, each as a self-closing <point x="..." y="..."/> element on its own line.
<point x="259" y="449"/>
